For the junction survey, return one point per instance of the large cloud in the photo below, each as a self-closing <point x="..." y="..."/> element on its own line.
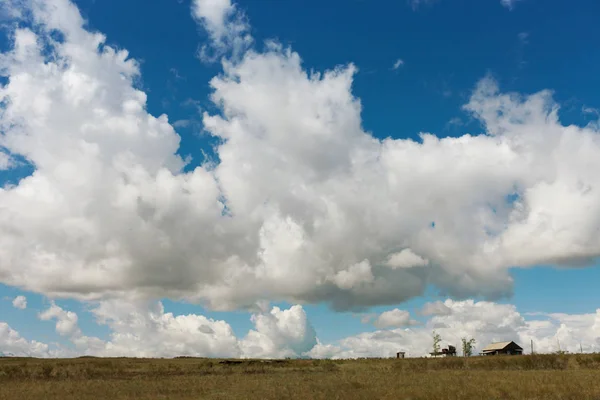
<point x="141" y="329"/>
<point x="303" y="206"/>
<point x="485" y="321"/>
<point x="144" y="329"/>
<point x="12" y="344"/>
<point x="281" y="333"/>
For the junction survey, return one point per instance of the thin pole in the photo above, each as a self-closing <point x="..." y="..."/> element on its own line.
<point x="531" y="346"/>
<point x="580" y="348"/>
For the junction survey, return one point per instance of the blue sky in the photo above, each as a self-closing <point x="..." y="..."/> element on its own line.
<point x="418" y="65"/>
<point x="447" y="47"/>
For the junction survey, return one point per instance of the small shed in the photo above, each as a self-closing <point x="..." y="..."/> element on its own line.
<point x="510" y="348"/>
<point x="400" y="354"/>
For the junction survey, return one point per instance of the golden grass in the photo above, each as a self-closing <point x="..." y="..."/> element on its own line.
<point x="542" y="377"/>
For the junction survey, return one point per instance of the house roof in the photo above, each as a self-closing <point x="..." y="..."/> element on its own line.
<point x="497" y="346"/>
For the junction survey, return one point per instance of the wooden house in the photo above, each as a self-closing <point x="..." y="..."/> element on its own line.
<point x="510" y="348"/>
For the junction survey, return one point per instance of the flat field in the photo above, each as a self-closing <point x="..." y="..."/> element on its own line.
<point x="543" y="377"/>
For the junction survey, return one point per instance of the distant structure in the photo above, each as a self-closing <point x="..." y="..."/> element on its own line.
<point x="400" y="354"/>
<point x="510" y="348"/>
<point x="449" y="352"/>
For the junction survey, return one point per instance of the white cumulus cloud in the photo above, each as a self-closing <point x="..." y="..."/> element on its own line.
<point x="66" y="321"/>
<point x="406" y="259"/>
<point x="225" y="24"/>
<point x="142" y="329"/>
<point x="436" y="308"/>
<point x="20" y="302"/>
<point x="303" y="205"/>
<point x="394" y="318"/>
<point x="13" y="344"/>
<point x="354" y="275"/>
<point x="279" y="334"/>
<point x="6" y="161"/>
<point x="486" y="322"/>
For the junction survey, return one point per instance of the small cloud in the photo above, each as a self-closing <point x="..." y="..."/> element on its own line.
<point x="192" y="103"/>
<point x="454" y="123"/>
<point x="399" y="62"/>
<point x="523" y="37"/>
<point x="369" y="71"/>
<point x="176" y="74"/>
<point x="355" y="276"/>
<point x="394" y="319"/>
<point x="20" y="302"/>
<point x="406" y="259"/>
<point x="523" y="40"/>
<point x="440" y="86"/>
<point x="66" y="321"/>
<point x="436" y="308"/>
<point x="182" y="123"/>
<point x="535" y="314"/>
<point x="227" y="28"/>
<point x="590" y="110"/>
<point x="509" y="3"/>
<point x="415" y="4"/>
<point x="367" y="318"/>
<point x="7" y="161"/>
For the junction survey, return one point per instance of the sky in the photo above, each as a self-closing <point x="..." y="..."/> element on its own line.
<point x="297" y="179"/>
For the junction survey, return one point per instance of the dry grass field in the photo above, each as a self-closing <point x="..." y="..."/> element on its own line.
<point x="546" y="377"/>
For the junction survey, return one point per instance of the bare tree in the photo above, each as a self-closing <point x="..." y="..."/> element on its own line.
<point x="436" y="343"/>
<point x="467" y="347"/>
